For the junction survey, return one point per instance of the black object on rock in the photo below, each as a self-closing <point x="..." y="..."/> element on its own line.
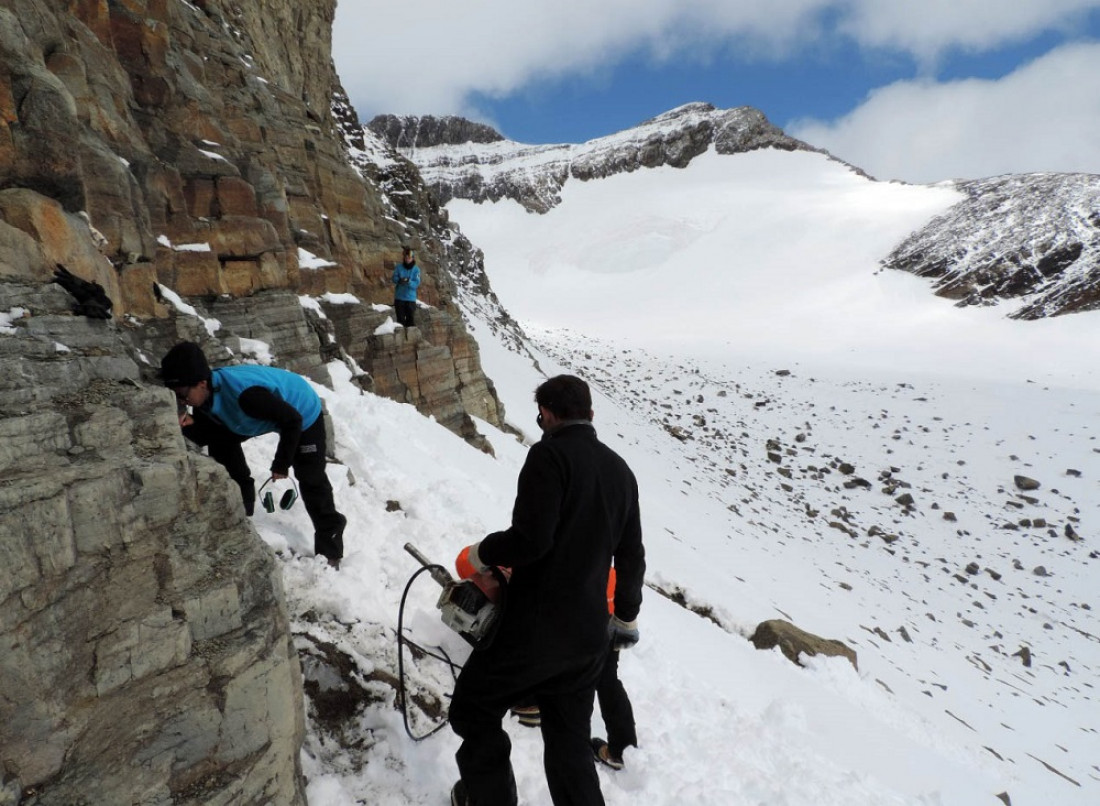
<point x="91" y="300"/>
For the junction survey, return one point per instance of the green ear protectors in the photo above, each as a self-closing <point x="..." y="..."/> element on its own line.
<point x="286" y="502"/>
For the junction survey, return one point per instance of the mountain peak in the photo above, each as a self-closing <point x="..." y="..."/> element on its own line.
<point x="410" y="131"/>
<point x="462" y="159"/>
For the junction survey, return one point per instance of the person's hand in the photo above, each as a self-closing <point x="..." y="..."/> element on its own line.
<point x="277" y="476"/>
<point x="468" y="563"/>
<point x="623" y="634"/>
<point x="488" y="583"/>
<point x="186" y="419"/>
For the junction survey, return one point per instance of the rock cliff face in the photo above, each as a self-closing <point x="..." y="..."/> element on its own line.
<point x="204" y="169"/>
<point x="460" y="160"/>
<point x="1028" y="240"/>
<point x="146" y="656"/>
<point x="197" y="146"/>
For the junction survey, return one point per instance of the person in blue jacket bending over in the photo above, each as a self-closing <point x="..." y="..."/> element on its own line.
<point x="406" y="279"/>
<point x="232" y="404"/>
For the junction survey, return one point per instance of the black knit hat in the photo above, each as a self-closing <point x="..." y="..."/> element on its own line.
<point x="184" y="365"/>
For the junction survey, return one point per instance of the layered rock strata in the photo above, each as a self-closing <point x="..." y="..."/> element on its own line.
<point x="146" y="655"/>
<point x="194" y="145"/>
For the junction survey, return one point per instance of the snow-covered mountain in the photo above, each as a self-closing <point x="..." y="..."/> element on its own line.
<point x="1031" y="241"/>
<point x="460" y="159"/>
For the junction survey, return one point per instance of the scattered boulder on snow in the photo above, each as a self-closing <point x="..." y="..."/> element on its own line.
<point x="794" y="642"/>
<point x="1025" y="483"/>
<point x="1024" y="654"/>
<point x="678" y="433"/>
<point x="887" y="537"/>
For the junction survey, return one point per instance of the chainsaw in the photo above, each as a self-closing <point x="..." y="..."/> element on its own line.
<point x="463" y="606"/>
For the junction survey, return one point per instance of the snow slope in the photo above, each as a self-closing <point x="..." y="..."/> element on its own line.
<point x="778" y="397"/>
<point x="762" y="254"/>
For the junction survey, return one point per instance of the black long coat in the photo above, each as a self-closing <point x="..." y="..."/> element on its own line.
<point x="576" y="508"/>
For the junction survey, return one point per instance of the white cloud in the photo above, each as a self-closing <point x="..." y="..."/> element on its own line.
<point x="928" y="28"/>
<point x="430" y="56"/>
<point x="1042" y="117"/>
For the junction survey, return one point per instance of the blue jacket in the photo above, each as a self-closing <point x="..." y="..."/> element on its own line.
<point x="230" y="382"/>
<point x="406" y="291"/>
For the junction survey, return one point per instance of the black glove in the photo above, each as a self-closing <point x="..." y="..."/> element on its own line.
<point x="622" y="634"/>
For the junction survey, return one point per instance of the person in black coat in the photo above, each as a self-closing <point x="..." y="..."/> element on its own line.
<point x="576" y="508"/>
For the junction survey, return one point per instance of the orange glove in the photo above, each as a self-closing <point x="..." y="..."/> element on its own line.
<point x="469" y="566"/>
<point x="467" y="563"/>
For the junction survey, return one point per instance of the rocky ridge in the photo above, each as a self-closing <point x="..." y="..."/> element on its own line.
<point x="533" y="175"/>
<point x="1029" y="240"/>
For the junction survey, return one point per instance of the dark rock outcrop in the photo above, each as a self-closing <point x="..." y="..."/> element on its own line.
<point x="1030" y="240"/>
<point x="428" y="131"/>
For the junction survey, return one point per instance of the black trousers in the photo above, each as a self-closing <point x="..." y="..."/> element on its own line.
<point x="405" y="311"/>
<point x="224" y="447"/>
<point x="618" y="714"/>
<point x="494" y="680"/>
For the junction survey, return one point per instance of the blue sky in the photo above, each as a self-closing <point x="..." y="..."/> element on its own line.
<point x="919" y="91"/>
<point x="825" y="84"/>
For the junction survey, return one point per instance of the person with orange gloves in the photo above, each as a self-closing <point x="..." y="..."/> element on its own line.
<point x="576" y="511"/>
<point x="615" y="707"/>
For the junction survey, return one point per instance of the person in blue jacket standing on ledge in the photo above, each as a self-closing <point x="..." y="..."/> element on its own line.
<point x="232" y="404"/>
<point x="406" y="279"/>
